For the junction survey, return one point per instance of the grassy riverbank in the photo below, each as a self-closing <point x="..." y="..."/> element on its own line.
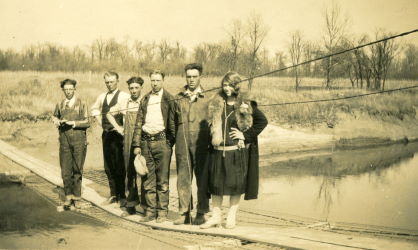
<point x="27" y="97"/>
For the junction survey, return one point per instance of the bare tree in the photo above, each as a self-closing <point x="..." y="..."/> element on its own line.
<point x="279" y="62"/>
<point x="138" y="48"/>
<point x="124" y="53"/>
<point x="295" y="51"/>
<point x="111" y="49"/>
<point x="164" y="50"/>
<point x="99" y="45"/>
<point x="359" y="64"/>
<point x="409" y="63"/>
<point x="179" y="52"/>
<point x="149" y="52"/>
<point x="257" y="32"/>
<point x="382" y="55"/>
<point x="178" y="57"/>
<point x="335" y="25"/>
<point x="307" y="54"/>
<point x="201" y="53"/>
<point x="235" y="35"/>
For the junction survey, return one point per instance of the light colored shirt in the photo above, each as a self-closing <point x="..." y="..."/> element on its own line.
<point x="193" y="94"/>
<point x="154" y="122"/>
<point x="110" y="95"/>
<point x="96" y="109"/>
<point x="128" y="106"/>
<point x="70" y="102"/>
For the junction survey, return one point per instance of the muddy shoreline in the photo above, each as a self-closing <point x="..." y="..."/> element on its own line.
<point x="276" y="143"/>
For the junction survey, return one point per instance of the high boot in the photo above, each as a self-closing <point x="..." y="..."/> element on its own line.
<point x="232" y="213"/>
<point x="231" y="218"/>
<point x="215" y="220"/>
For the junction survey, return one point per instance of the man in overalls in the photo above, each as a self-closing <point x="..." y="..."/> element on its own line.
<point x="129" y="110"/>
<point x="112" y="140"/>
<point x="71" y="119"/>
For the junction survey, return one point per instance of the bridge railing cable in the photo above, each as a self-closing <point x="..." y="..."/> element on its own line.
<point x="303" y="63"/>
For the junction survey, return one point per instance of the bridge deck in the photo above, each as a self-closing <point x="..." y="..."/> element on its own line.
<point x="255" y="225"/>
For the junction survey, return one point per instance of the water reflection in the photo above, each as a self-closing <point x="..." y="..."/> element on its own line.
<point x="23" y="210"/>
<point x="344" y="162"/>
<point x="375" y="181"/>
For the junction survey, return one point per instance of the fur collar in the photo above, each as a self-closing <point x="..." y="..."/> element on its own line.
<point x="243" y="114"/>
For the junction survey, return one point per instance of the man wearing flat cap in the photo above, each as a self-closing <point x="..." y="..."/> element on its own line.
<point x="129" y="110"/>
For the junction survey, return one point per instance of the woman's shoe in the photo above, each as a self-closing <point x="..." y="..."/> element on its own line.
<point x="212" y="222"/>
<point x="231" y="219"/>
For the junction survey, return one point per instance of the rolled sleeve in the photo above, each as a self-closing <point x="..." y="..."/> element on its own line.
<point x="97" y="106"/>
<point x="85" y="123"/>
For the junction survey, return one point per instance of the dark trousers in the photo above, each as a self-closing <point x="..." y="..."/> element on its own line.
<point x="197" y="163"/>
<point x="113" y="162"/>
<point x="72" y="154"/>
<point x="133" y="198"/>
<point x="156" y="183"/>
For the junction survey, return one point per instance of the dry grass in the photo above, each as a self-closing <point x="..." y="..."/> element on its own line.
<point x="32" y="96"/>
<point x="397" y="105"/>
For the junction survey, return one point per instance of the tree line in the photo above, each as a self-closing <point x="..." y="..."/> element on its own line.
<point x="242" y="50"/>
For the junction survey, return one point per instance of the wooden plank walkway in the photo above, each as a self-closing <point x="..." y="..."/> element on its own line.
<point x="287" y="235"/>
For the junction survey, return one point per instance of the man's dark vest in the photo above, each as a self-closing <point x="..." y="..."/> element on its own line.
<point x="105" y="108"/>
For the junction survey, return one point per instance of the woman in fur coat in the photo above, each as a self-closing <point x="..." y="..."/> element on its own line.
<point x="235" y="122"/>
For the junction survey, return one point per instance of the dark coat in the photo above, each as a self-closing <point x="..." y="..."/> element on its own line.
<point x="251" y="121"/>
<point x="259" y="123"/>
<point x="191" y="118"/>
<point x="168" y="110"/>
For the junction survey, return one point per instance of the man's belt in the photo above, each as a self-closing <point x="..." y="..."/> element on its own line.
<point x="153" y="137"/>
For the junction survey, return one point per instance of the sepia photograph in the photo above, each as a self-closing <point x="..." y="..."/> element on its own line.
<point x="197" y="124"/>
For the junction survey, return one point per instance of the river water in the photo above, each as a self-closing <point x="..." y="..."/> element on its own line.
<point x="374" y="186"/>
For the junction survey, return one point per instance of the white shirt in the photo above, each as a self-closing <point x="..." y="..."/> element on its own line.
<point x="193" y="94"/>
<point x="96" y="109"/>
<point x="110" y="95"/>
<point x="70" y="102"/>
<point x="154" y="122"/>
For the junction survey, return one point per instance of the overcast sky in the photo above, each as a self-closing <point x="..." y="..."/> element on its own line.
<point x="79" y="22"/>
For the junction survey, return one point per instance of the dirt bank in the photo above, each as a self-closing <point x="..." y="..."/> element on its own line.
<point x="276" y="142"/>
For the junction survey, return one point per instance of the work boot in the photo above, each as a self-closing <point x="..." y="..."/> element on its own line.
<point x="183" y="219"/>
<point x="129" y="211"/>
<point x="68" y="203"/>
<point x="68" y="200"/>
<point x="140" y="209"/>
<point x="199" y="219"/>
<point x="122" y="202"/>
<point x="161" y="219"/>
<point x="80" y="204"/>
<point x="149" y="217"/>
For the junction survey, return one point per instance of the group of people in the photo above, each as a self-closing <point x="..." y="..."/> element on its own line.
<point x="215" y="141"/>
